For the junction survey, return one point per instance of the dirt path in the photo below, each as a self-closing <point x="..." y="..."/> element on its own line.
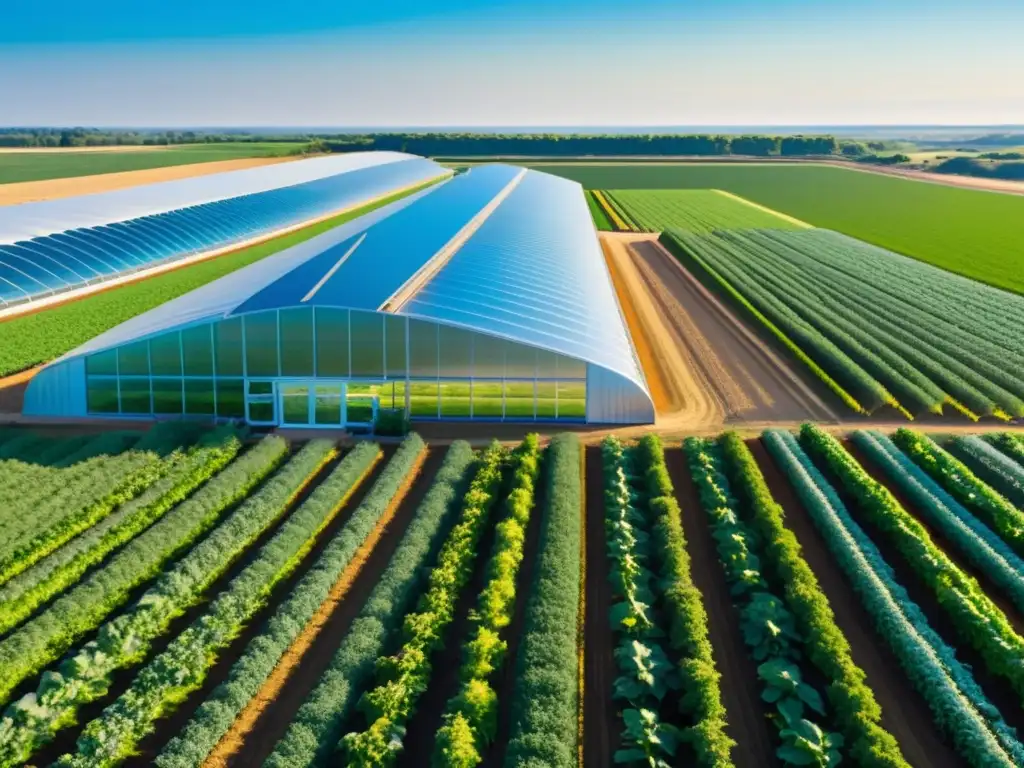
<point x="746" y="713"/>
<point x="905" y="713"/>
<point x="600" y="713"/>
<point x="264" y="727"/>
<point x="150" y="747"/>
<point x="52" y="189"/>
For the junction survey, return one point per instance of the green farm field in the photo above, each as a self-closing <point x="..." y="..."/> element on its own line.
<point x="974" y="233"/>
<point x="38" y="166"/>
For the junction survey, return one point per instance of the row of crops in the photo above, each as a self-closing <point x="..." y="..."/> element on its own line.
<point x="695" y="210"/>
<point x="206" y="568"/>
<point x="878" y="329"/>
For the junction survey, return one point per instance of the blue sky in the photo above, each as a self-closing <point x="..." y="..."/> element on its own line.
<point x="512" y="62"/>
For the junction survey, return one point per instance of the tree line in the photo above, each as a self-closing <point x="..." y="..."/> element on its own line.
<point x="95" y="137"/>
<point x="577" y="145"/>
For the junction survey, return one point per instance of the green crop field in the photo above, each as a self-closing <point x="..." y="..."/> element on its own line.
<point x="37" y="166"/>
<point x="974" y="233"/>
<point x="695" y="210"/>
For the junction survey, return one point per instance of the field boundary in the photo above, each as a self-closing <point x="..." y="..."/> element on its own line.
<point x="766" y="209"/>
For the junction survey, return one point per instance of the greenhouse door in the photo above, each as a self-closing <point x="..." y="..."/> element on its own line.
<point x="312" y="404"/>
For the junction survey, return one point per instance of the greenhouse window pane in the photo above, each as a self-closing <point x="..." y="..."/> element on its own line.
<point x="227" y="341"/>
<point x="261" y="344"/>
<point x="488" y="357"/>
<point x="165" y="354"/>
<point x="454" y="399"/>
<point x="261" y="387"/>
<point x="570" y="368"/>
<point x="572" y="400"/>
<point x="135" y="396"/>
<point x="547" y="364"/>
<point x="456" y="351"/>
<point x="422" y="349"/>
<point x="392" y="395"/>
<point x="395" y="338"/>
<point x="102" y="363"/>
<point x="167" y="396"/>
<point x="367" y="344"/>
<point x="297" y="342"/>
<point x="101" y="395"/>
<point x="199" y="396"/>
<point x="423" y="400"/>
<point x="261" y="412"/>
<point x="133" y="359"/>
<point x="520" y="361"/>
<point x="197" y="350"/>
<point x="230" y="399"/>
<point x="519" y="400"/>
<point x="546" y="399"/>
<point x="331" y="342"/>
<point x="487" y="400"/>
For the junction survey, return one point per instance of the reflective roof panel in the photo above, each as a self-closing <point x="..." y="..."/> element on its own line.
<point x="364" y="271"/>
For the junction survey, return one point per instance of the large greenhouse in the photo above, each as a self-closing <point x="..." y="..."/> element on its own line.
<point x="51" y="248"/>
<point x="484" y="297"/>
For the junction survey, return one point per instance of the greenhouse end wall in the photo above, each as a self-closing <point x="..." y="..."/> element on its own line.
<point x="259" y="365"/>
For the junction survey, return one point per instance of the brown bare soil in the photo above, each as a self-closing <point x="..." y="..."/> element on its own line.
<point x="905" y="713"/>
<point x="747" y="715"/>
<point x="1007" y="186"/>
<point x="600" y="713"/>
<point x="995" y="688"/>
<point x="265" y="727"/>
<point x="53" y="189"/>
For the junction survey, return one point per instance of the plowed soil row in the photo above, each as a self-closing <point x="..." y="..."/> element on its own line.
<point x="996" y="688"/>
<point x="600" y="714"/>
<point x="265" y="726"/>
<point x="905" y="714"/>
<point x="755" y="736"/>
<point x="122" y="678"/>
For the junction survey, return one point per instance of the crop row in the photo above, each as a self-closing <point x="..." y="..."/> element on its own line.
<point x="184" y="664"/>
<point x="687" y="620"/>
<point x="403" y="676"/>
<point x="597" y="213"/>
<point x="1010" y="445"/>
<point x="545" y="699"/>
<point x="769" y="628"/>
<point x="646" y="674"/>
<point x="885" y="341"/>
<point x="702" y="211"/>
<point x="25" y="593"/>
<point x="239" y="696"/>
<point x="51" y="633"/>
<point x="619" y="221"/>
<point x="470" y="719"/>
<point x="996" y="468"/>
<point x="126" y="639"/>
<point x="857" y="712"/>
<point x="976" y="618"/>
<point x="960" y="708"/>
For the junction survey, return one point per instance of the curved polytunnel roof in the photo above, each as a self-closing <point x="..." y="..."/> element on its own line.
<point x="498" y="249"/>
<point x="92" y="238"/>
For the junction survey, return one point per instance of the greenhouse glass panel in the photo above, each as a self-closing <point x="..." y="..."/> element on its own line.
<point x="133" y="359"/>
<point x="392" y="395"/>
<point x="227" y="343"/>
<point x="520" y="361"/>
<point x="456" y="347"/>
<point x="455" y="399"/>
<point x="487" y="399"/>
<point x="367" y="344"/>
<point x="422" y="349"/>
<point x="519" y="400"/>
<point x="488" y="357"/>
<point x="167" y="396"/>
<point x="199" y="397"/>
<point x="230" y="399"/>
<point x="331" y="342"/>
<point x="101" y="395"/>
<point x="135" y="396"/>
<point x="102" y="363"/>
<point x="261" y="344"/>
<point x="546" y="393"/>
<point x="394" y="336"/>
<point x="572" y="400"/>
<point x="423" y="400"/>
<point x="165" y="354"/>
<point x="297" y="342"/>
<point x="197" y="350"/>
<point x="571" y="368"/>
<point x="547" y="364"/>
